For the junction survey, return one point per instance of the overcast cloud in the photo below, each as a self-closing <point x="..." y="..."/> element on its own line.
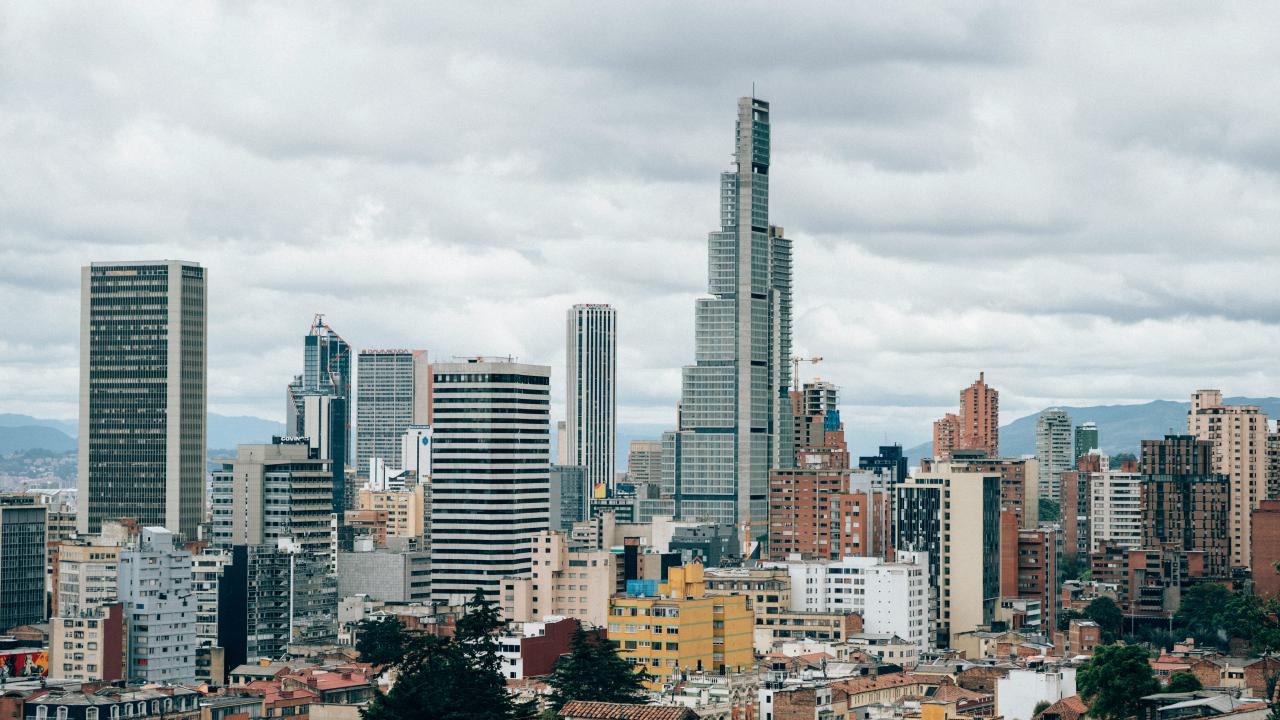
<point x="1081" y="199"/>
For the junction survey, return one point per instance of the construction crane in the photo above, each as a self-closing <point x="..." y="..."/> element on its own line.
<point x="795" y="368"/>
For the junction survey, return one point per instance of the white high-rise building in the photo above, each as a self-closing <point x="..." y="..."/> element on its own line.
<point x="143" y="368"/>
<point x="415" y="452"/>
<point x="735" y="411"/>
<point x="890" y="597"/>
<point x="1115" y="509"/>
<point x="160" y="609"/>
<point x="592" y="388"/>
<point x="392" y="393"/>
<point x="490" y="484"/>
<point x="1055" y="451"/>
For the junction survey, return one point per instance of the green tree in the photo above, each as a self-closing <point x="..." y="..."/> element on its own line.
<point x="1183" y="682"/>
<point x="1070" y="567"/>
<point x="1200" y="611"/>
<point x="1050" y="510"/>
<point x="1213" y="614"/>
<point x="1118" y="459"/>
<point x="1066" y="616"/>
<point x="593" y="670"/>
<point x="1103" y="611"/>
<point x="1040" y="707"/>
<point x="382" y="642"/>
<point x="443" y="678"/>
<point x="482" y="687"/>
<point x="1114" y="681"/>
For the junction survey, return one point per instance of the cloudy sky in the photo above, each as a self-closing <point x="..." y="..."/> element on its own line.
<point x="1083" y="201"/>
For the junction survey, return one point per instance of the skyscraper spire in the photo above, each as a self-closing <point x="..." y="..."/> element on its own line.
<point x="735" y="416"/>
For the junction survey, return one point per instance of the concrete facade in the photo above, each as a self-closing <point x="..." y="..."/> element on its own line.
<point x="491" y="489"/>
<point x="890" y="597"/>
<point x="89" y="646"/>
<point x="273" y="492"/>
<point x="1018" y="693"/>
<point x="570" y="583"/>
<point x="393" y="389"/>
<point x="954" y="518"/>
<point x="160" y="609"/>
<point x="1055" y="451"/>
<point x="387" y="575"/>
<point x="591" y="385"/>
<point x="1239" y="437"/>
<point x="1115" y="510"/>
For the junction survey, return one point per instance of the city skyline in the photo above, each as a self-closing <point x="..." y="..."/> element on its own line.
<point x="937" y="168"/>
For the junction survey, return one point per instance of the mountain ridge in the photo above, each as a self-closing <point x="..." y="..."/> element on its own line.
<point x="1121" y="428"/>
<point x="23" y="432"/>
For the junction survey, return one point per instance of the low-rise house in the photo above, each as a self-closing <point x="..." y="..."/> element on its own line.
<point x="1019" y="692"/>
<point x="1068" y="708"/>
<point x="93" y="702"/>
<point x="580" y="710"/>
<point x="340" y="685"/>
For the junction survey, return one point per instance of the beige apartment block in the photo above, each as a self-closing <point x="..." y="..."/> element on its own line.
<point x="565" y="582"/>
<point x="406" y="509"/>
<point x="1239" y="437"/>
<point x="88" y="646"/>
<point x="85" y="577"/>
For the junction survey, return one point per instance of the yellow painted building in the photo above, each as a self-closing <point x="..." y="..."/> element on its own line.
<point x="680" y="627"/>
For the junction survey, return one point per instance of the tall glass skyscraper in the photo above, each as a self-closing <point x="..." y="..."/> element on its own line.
<point x="143" y="384"/>
<point x="1053" y="451"/>
<point x="319" y="405"/>
<point x="735" y="414"/>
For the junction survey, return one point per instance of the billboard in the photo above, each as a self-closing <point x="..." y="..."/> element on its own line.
<point x="24" y="662"/>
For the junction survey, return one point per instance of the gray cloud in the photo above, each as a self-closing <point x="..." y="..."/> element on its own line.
<point x="1081" y="200"/>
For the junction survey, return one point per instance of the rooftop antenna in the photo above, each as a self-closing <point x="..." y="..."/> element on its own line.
<point x="753" y="89"/>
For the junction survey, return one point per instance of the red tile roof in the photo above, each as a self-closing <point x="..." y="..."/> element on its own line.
<point x="1068" y="708"/>
<point x="879" y="682"/>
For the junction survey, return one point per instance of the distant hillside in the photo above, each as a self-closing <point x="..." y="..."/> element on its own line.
<point x="1121" y="428"/>
<point x="16" y="420"/>
<point x="228" y="431"/>
<point x="32" y="437"/>
<point x="23" y="432"/>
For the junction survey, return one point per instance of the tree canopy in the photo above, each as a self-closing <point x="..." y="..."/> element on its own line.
<point x="446" y="678"/>
<point x="1114" y="681"/>
<point x="594" y="671"/>
<point x="1103" y="610"/>
<point x="1214" y="614"/>
<point x="1183" y="682"/>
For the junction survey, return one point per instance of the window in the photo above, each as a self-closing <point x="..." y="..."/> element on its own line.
<point x="42" y="712"/>
<point x="91" y="713"/>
